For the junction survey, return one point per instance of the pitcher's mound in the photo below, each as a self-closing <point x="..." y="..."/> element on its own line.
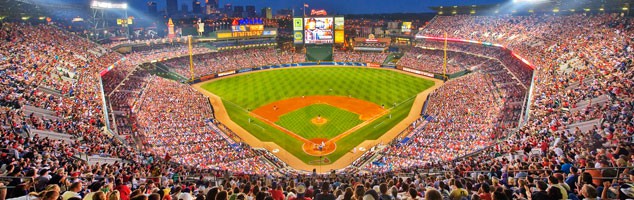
<point x="319" y="121"/>
<point x="312" y="148"/>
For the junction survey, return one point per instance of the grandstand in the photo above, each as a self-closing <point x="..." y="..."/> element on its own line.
<point x="537" y="106"/>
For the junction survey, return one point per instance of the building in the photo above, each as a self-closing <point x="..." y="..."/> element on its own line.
<point x="212" y="4"/>
<point x="392" y="25"/>
<point x="172" y="7"/>
<point x="267" y="13"/>
<point x="285" y="12"/>
<point x="197" y="7"/>
<point x="184" y="8"/>
<point x="251" y="11"/>
<point x="211" y="7"/>
<point x="228" y="10"/>
<point x="152" y="8"/>
<point x="238" y="11"/>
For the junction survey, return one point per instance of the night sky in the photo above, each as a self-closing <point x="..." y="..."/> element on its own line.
<point x="332" y="6"/>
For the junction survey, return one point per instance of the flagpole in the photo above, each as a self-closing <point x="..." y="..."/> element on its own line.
<point x="304" y="9"/>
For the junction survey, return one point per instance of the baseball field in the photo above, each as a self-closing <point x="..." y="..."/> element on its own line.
<point x="318" y="114"/>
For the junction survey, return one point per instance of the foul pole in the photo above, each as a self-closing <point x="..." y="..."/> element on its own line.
<point x="191" y="57"/>
<point x="444" y="63"/>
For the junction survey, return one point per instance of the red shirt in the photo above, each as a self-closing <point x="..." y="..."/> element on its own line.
<point x="124" y="192"/>
<point x="485" y="196"/>
<point x="277" y="194"/>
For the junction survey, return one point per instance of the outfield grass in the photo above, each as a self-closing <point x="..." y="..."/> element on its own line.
<point x="383" y="87"/>
<point x="299" y="121"/>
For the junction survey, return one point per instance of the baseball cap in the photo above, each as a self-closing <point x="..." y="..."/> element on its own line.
<point x="301" y="189"/>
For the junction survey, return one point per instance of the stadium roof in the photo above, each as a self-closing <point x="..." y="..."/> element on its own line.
<point x="539" y="6"/>
<point x="16" y="9"/>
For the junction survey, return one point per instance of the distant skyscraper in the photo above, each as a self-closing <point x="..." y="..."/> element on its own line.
<point x="228" y="9"/>
<point x="285" y="12"/>
<point x="197" y="7"/>
<point x="184" y="8"/>
<point x="267" y="13"/>
<point x="172" y="6"/>
<point x="251" y="11"/>
<point x="152" y="7"/>
<point x="213" y="3"/>
<point x="238" y="10"/>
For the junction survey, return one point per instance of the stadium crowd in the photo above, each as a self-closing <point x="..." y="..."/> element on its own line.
<point x="432" y="60"/>
<point x="571" y="132"/>
<point x="231" y="60"/>
<point x="360" y="56"/>
<point x="553" y="155"/>
<point x="176" y="127"/>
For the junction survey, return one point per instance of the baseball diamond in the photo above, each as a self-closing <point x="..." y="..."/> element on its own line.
<point x="318" y="111"/>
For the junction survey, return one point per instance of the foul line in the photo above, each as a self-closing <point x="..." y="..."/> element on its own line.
<point x="334" y="139"/>
<point x="290" y="133"/>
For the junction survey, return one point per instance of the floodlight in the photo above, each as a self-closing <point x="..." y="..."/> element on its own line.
<point x="108" y="5"/>
<point x="528" y="1"/>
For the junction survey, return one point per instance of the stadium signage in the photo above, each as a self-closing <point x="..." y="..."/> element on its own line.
<point x="298" y="24"/>
<point x="373" y="65"/>
<point x="368" y="49"/>
<point x="415" y="71"/>
<point x="406" y="28"/>
<point x="246" y="34"/>
<point x="298" y="37"/>
<point x="269" y="33"/>
<point x="246" y="21"/>
<point x="221" y="74"/>
<point x="244" y="70"/>
<point x="339" y="28"/>
<point x="247" y="27"/>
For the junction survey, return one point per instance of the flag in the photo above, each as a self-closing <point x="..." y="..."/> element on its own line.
<point x="305" y="5"/>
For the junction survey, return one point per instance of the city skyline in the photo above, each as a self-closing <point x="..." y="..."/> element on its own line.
<point x="332" y="6"/>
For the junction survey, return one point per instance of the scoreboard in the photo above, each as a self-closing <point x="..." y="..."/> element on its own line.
<point x="318" y="30"/>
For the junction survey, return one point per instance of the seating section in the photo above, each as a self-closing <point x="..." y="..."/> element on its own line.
<point x="483" y="134"/>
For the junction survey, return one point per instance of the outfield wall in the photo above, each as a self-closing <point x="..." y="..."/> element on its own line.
<point x="305" y="64"/>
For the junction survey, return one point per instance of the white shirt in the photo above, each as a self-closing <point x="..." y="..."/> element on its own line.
<point x="68" y="194"/>
<point x="89" y="196"/>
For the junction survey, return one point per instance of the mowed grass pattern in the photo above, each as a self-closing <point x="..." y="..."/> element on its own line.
<point x="383" y="87"/>
<point x="253" y="90"/>
<point x="299" y="121"/>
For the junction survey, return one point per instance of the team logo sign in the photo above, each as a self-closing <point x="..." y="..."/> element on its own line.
<point x="298" y="36"/>
<point x="297" y="24"/>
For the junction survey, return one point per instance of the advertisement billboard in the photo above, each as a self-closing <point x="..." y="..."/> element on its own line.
<point x="298" y="24"/>
<point x="339" y="23"/>
<point x="339" y="27"/>
<point x="318" y="30"/>
<point x="298" y="30"/>
<point x="406" y="27"/>
<point x="298" y="37"/>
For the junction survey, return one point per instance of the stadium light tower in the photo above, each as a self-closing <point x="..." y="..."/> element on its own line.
<point x="99" y="18"/>
<point x="528" y="1"/>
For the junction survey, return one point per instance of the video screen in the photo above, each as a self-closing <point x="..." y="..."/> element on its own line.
<point x="318" y="30"/>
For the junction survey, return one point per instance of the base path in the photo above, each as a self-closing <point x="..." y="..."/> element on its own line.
<point x="294" y="162"/>
<point x="365" y="109"/>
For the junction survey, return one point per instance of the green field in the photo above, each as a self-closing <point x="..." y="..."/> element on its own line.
<point x="384" y="87"/>
<point x="338" y="121"/>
